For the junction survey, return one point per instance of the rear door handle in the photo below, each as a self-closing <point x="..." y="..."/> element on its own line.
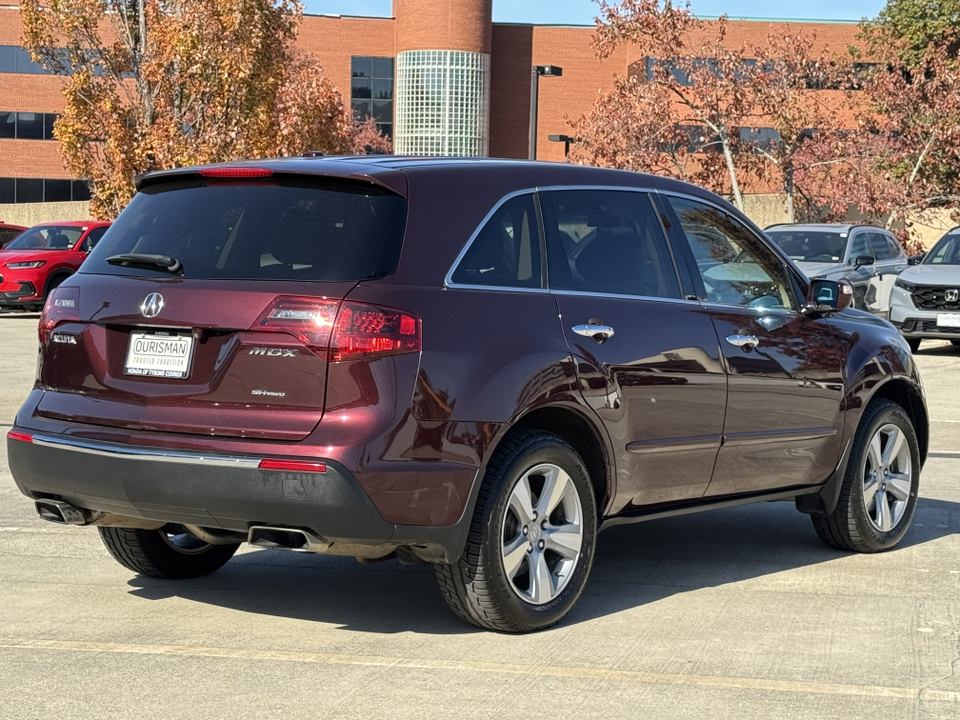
<point x="597" y="332"/>
<point x="747" y="342"/>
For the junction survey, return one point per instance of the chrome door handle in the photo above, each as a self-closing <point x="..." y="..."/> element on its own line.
<point x="597" y="332"/>
<point x="747" y="342"/>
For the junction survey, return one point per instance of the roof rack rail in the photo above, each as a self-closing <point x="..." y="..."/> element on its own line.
<point x="312" y="153"/>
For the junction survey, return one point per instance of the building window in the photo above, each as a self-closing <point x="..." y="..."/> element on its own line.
<point x="27" y="125"/>
<point x="37" y="190"/>
<point x="371" y="91"/>
<point x="15" y="59"/>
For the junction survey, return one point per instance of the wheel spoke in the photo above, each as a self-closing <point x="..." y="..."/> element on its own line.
<point x="566" y="541"/>
<point x="514" y="554"/>
<point x="883" y="512"/>
<point x="541" y="580"/>
<point x="555" y="485"/>
<point x="898" y="485"/>
<point x="870" y="491"/>
<point x="895" y="442"/>
<point x="521" y="501"/>
<point x="875" y="454"/>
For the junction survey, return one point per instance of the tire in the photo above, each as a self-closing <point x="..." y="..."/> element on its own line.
<point x="873" y="514"/>
<point x="478" y="587"/>
<point x="914" y="344"/>
<point x="169" y="552"/>
<point x="955" y="342"/>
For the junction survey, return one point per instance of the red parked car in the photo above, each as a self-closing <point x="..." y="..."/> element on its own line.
<point x="473" y="363"/>
<point x="8" y="232"/>
<point x="42" y="257"/>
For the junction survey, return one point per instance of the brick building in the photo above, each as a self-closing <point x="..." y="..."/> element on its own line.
<point x="440" y="77"/>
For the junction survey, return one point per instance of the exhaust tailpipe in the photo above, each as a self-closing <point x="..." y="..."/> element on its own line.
<point x="287" y="539"/>
<point x="60" y="512"/>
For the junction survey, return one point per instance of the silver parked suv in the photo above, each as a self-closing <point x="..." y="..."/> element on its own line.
<point x="925" y="302"/>
<point x="868" y="257"/>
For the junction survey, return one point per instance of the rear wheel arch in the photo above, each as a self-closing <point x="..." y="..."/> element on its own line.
<point x="574" y="428"/>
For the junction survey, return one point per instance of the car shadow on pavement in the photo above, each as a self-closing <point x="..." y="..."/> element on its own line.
<point x="635" y="565"/>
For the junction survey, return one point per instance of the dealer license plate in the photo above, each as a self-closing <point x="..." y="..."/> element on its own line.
<point x="156" y="355"/>
<point x="951" y="320"/>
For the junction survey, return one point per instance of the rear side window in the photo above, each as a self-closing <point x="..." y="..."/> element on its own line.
<point x="880" y="247"/>
<point x="506" y="251"/>
<point x="326" y="231"/>
<point x="608" y="242"/>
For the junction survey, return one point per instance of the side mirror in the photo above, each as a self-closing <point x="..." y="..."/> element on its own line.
<point x="915" y="259"/>
<point x="824" y="296"/>
<point x="864" y="260"/>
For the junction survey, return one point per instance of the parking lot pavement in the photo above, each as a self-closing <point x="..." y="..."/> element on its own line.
<point x="738" y="613"/>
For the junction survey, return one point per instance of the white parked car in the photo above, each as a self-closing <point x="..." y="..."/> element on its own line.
<point x="867" y="257"/>
<point x="925" y="302"/>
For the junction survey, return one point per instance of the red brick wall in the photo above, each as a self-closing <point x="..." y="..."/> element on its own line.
<point x="443" y="25"/>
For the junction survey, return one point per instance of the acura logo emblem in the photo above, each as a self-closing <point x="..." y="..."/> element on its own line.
<point x="152" y="305"/>
<point x="951" y="295"/>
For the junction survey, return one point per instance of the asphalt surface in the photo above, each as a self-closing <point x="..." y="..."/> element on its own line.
<point x="738" y="613"/>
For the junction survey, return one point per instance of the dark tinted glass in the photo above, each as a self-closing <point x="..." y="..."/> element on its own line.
<point x="361" y="67"/>
<point x="30" y="126"/>
<point x="879" y="246"/>
<point x="383" y="67"/>
<point x="49" y="119"/>
<point x="8" y="58"/>
<point x="29" y="191"/>
<point x="811" y="245"/>
<point x="605" y="241"/>
<point x="360" y="88"/>
<point x="8" y="190"/>
<point x="57" y="191"/>
<point x="91" y="240"/>
<point x="8" y="125"/>
<point x="506" y="252"/>
<point x="383" y="89"/>
<point x="291" y="230"/>
<point x="80" y="190"/>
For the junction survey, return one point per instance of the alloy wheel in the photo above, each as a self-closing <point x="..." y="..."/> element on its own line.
<point x="887" y="477"/>
<point x="541" y="533"/>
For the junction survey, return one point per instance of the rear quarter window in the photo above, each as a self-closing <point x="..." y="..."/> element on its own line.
<point x="296" y="229"/>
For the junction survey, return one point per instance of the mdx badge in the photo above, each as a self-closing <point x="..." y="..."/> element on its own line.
<point x="272" y="352"/>
<point x="152" y="305"/>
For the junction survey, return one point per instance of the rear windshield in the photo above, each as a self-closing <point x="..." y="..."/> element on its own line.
<point x="327" y="231"/>
<point x="45" y="237"/>
<point x="811" y="245"/>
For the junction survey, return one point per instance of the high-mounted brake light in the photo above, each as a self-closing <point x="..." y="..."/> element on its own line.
<point x="293" y="465"/>
<point x="20" y="436"/>
<point x="236" y="172"/>
<point x="62" y="304"/>
<point x="342" y="330"/>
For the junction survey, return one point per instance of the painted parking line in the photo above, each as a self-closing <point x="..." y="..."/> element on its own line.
<point x="468" y="666"/>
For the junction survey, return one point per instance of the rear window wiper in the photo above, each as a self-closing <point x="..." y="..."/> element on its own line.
<point x="159" y="262"/>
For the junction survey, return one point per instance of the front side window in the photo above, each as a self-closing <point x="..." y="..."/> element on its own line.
<point x="506" y="251"/>
<point x="609" y="242"/>
<point x="859" y="248"/>
<point x="734" y="264"/>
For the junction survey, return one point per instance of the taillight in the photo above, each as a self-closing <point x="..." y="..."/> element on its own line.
<point x="338" y="330"/>
<point x="292" y="465"/>
<point x="19" y="436"/>
<point x="62" y="304"/>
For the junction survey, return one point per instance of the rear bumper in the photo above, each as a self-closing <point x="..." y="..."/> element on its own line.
<point x="228" y="492"/>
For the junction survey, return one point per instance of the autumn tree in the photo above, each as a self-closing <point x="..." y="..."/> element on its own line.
<point x="904" y="29"/>
<point x="151" y="84"/>
<point x="690" y="80"/>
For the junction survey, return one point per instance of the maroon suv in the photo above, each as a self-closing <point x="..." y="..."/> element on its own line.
<point x="473" y="363"/>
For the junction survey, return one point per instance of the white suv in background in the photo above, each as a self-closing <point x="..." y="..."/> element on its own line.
<point x="925" y="302"/>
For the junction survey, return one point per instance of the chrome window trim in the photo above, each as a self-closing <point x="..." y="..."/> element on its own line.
<point x="615" y="296"/>
<point x="155" y="455"/>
